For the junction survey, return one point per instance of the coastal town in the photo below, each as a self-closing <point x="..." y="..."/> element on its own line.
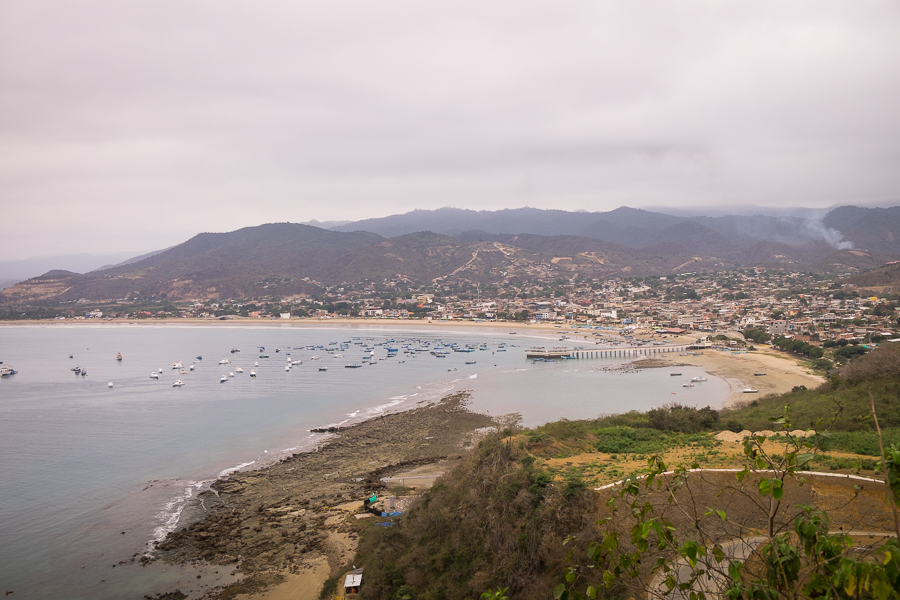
<point x="804" y="307"/>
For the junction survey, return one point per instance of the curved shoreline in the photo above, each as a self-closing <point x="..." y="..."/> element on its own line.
<point x="285" y="517"/>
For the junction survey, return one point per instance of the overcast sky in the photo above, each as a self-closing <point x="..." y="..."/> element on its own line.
<point x="135" y="125"/>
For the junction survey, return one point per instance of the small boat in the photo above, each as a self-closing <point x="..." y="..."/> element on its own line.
<point x="224" y="361"/>
<point x="70" y="356"/>
<point x="751" y="391"/>
<point x="252" y="373"/>
<point x="154" y="375"/>
<point x="316" y="357"/>
<point x="160" y="370"/>
<point x="264" y="356"/>
<point x="256" y="364"/>
<point x="198" y="357"/>
<point x="323" y="368"/>
<point x="84" y="372"/>
<point x="177" y="365"/>
<point x="287" y="367"/>
<point x="238" y="370"/>
<point x="231" y="374"/>
<point x="759" y="374"/>
<point x="297" y="362"/>
<point x="77" y="370"/>
<point x="178" y="383"/>
<point x="453" y="369"/>
<point x="470" y="362"/>
<point x="6" y="370"/>
<point x="688" y="385"/>
<point x="119" y="356"/>
<point x="354" y="366"/>
<point x="698" y="378"/>
<point x="110" y="384"/>
<point x="339" y="356"/>
<point x="192" y="367"/>
<point x="233" y="350"/>
<point x="223" y="379"/>
<point x="675" y="374"/>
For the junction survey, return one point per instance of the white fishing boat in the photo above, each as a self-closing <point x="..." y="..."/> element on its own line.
<point x="238" y="370"/>
<point x="224" y="361"/>
<point x="160" y="370"/>
<point x="154" y="375"/>
<point x="323" y="368"/>
<point x="688" y="385"/>
<point x="252" y="373"/>
<point x="698" y="378"/>
<point x="297" y="362"/>
<point x="119" y="356"/>
<point x="256" y="364"/>
<point x="231" y="374"/>
<point x="287" y="367"/>
<point x="178" y="383"/>
<point x="177" y="365"/>
<point x="316" y="357"/>
<point x="192" y="367"/>
<point x="110" y="384"/>
<point x="223" y="379"/>
<point x="750" y="391"/>
<point x="6" y="370"/>
<point x="339" y="356"/>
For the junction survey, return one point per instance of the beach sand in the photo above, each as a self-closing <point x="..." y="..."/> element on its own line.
<point x="782" y="372"/>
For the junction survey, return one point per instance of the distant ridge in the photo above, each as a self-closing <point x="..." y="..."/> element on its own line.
<point x="484" y="247"/>
<point x="872" y="229"/>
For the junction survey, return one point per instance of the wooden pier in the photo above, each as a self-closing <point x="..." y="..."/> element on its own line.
<point x="620" y="352"/>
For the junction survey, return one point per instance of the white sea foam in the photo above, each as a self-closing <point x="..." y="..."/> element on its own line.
<point x="383" y="407"/>
<point x="170" y="514"/>
<point x="231" y="470"/>
<point x="353" y="414"/>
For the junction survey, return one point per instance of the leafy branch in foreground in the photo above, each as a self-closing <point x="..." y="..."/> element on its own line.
<point x="752" y="539"/>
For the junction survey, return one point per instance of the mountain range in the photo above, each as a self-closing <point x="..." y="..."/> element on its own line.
<point x="482" y="247"/>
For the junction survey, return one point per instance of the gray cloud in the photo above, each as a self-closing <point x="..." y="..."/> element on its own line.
<point x="133" y="125"/>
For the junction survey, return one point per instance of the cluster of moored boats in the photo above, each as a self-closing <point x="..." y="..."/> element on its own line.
<point x="406" y="348"/>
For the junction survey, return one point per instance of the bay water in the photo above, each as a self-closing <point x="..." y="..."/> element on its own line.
<point x="91" y="475"/>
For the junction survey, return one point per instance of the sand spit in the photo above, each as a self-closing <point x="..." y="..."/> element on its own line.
<point x="280" y="524"/>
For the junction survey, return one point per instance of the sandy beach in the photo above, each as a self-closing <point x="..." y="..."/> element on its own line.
<point x="782" y="372"/>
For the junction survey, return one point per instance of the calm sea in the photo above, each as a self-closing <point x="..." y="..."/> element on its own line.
<point x="90" y="474"/>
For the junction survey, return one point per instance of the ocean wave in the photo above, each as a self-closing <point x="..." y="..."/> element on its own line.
<point x="231" y="470"/>
<point x="383" y="407"/>
<point x="170" y="514"/>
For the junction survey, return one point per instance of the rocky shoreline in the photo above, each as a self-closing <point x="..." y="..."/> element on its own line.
<point x="283" y="518"/>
